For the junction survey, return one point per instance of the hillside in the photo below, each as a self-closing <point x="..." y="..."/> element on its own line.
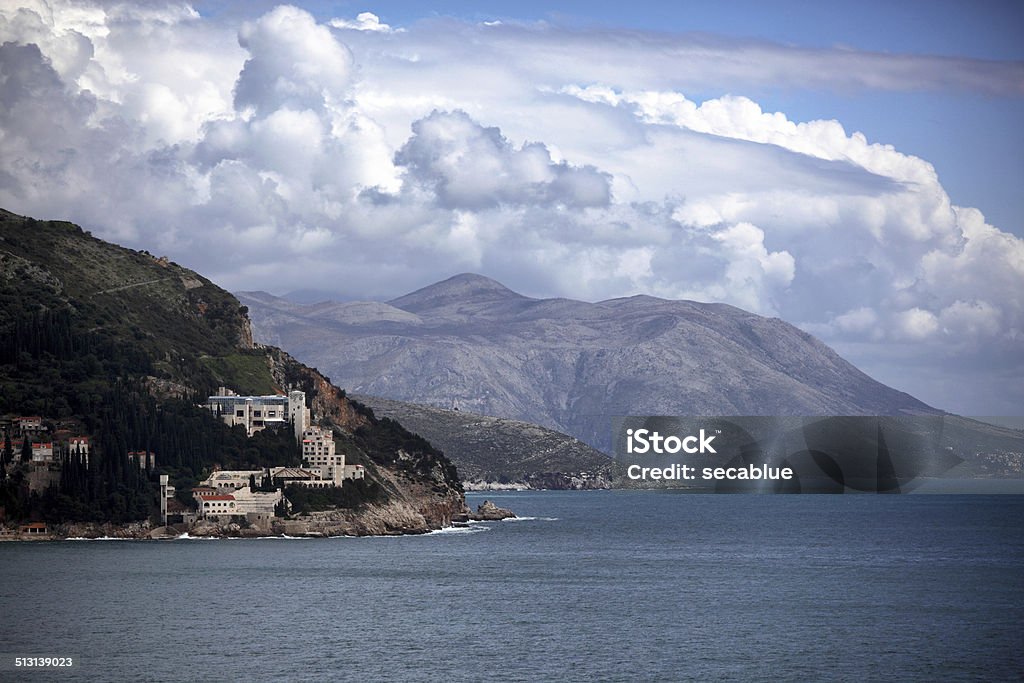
<point x="497" y="451"/>
<point x="119" y="346"/>
<point x="470" y="343"/>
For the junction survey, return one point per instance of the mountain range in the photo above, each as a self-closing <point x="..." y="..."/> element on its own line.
<point x="470" y="343"/>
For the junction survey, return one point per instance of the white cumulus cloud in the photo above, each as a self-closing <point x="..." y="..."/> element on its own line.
<point x="364" y="21"/>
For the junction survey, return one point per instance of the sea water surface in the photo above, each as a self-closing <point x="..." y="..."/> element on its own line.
<point x="603" y="585"/>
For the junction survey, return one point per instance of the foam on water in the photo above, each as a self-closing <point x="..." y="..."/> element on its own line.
<point x="457" y="530"/>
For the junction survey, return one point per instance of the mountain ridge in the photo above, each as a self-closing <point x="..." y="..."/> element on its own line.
<point x="572" y="365"/>
<point x="492" y="451"/>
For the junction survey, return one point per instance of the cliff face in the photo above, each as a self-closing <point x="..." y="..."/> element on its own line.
<point x="422" y="486"/>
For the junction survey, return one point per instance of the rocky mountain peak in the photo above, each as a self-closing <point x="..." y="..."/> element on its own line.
<point x="465" y="289"/>
<point x="571" y="365"/>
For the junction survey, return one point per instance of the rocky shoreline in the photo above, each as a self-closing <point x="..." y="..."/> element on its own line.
<point x="545" y="481"/>
<point x="395" y="519"/>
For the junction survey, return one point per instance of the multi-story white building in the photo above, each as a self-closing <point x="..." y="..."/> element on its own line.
<point x="167" y="493"/>
<point x="319" y="455"/>
<point x="257" y="412"/>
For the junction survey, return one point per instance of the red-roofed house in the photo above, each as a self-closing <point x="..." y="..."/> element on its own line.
<point x="217" y="506"/>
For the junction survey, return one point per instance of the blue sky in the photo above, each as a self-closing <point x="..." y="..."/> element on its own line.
<point x="982" y="29"/>
<point x="852" y="168"/>
<point x="953" y="132"/>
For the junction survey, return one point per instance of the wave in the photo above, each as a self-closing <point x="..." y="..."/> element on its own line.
<point x="186" y="537"/>
<point x="284" y="537"/>
<point x="457" y="530"/>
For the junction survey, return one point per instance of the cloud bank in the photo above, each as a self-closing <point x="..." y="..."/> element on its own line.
<point x="283" y="153"/>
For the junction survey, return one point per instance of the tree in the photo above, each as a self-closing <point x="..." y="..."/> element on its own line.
<point x="26" y="449"/>
<point x="252" y="483"/>
<point x="8" y="453"/>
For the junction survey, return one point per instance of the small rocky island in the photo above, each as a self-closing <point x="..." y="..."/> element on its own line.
<point x="489" y="512"/>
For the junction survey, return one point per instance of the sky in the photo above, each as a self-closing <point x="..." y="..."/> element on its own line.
<point x="852" y="168"/>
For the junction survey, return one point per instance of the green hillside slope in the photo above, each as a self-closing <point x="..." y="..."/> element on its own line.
<point x="121" y="345"/>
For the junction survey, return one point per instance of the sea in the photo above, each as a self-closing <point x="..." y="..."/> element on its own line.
<point x="582" y="586"/>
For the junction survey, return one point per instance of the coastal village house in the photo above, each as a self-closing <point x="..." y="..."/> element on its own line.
<point x="47" y="457"/>
<point x="34" y="530"/>
<point x="30" y="425"/>
<point x="42" y="451"/>
<point x="225" y="493"/>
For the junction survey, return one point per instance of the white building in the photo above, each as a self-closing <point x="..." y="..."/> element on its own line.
<point x="32" y="424"/>
<point x="302" y="477"/>
<point x="242" y="501"/>
<point x="257" y="412"/>
<point x="229" y="480"/>
<point x="166" y="494"/>
<point x="319" y="456"/>
<point x="42" y="451"/>
<point x="225" y="481"/>
<point x="221" y="505"/>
